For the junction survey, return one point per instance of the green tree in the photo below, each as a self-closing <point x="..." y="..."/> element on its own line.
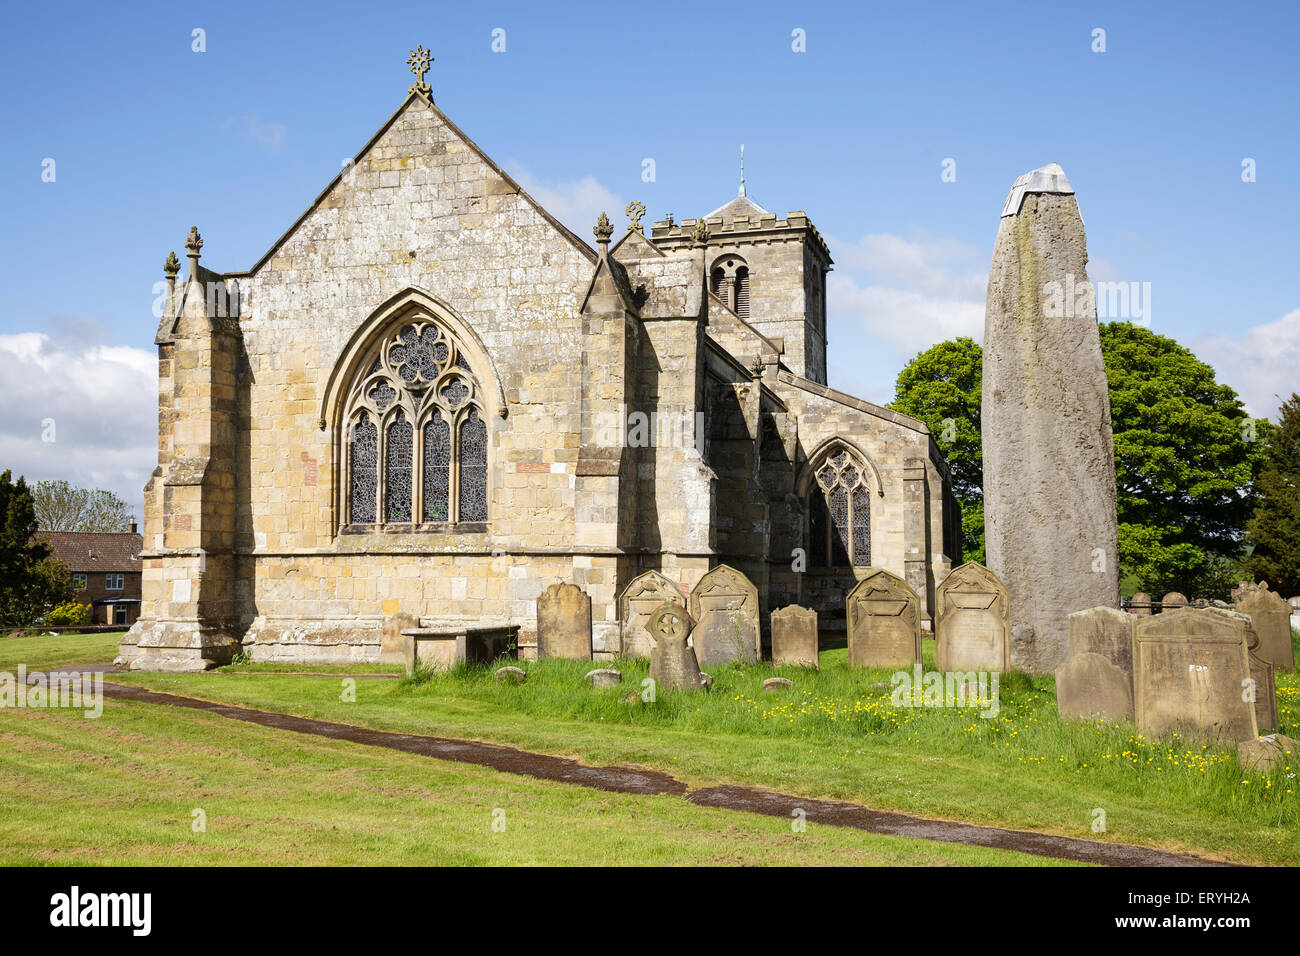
<point x="1186" y="457"/>
<point x="31" y="581"/>
<point x="1186" y="454"/>
<point x="1274" y="530"/>
<point x="941" y="387"/>
<point x="61" y="506"/>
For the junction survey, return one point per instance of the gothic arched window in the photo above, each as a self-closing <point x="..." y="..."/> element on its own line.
<point x="729" y="281"/>
<point x="839" y="513"/>
<point x="416" y="436"/>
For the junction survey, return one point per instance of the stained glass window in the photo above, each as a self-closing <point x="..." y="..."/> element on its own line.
<point x="437" y="465"/>
<point x="434" y="447"/>
<point x="473" y="468"/>
<point x="397" y="471"/>
<point x="364" y="462"/>
<point x="839" y="514"/>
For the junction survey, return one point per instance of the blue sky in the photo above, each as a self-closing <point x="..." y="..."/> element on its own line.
<point x="149" y="137"/>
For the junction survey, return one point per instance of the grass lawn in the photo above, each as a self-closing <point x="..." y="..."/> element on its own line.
<point x="833" y="736"/>
<point x="44" y="650"/>
<point x="122" y="790"/>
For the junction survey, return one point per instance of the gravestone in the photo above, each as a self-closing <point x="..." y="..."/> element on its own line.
<point x="1261" y="672"/>
<point x="1104" y="631"/>
<point x="1244" y="588"/>
<point x="972" y="631"/>
<point x="564" y="622"/>
<point x="672" y="663"/>
<point x="1173" y="600"/>
<point x="724" y="604"/>
<point x="776" y="684"/>
<point x="1140" y="604"/>
<point x="794" y="636"/>
<point x="1091" y="685"/>
<point x="1049" y="467"/>
<point x="643" y="594"/>
<point x="1265" y="753"/>
<point x="1271" y="619"/>
<point x="884" y="618"/>
<point x="604" y="677"/>
<point x="1190" y="668"/>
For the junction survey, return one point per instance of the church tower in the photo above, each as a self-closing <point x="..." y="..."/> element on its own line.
<point x="771" y="272"/>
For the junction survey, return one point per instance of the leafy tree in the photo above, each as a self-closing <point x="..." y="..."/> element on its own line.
<point x="941" y="387"/>
<point x="61" y="506"/>
<point x="1274" y="531"/>
<point x="30" y="579"/>
<point x="1186" y="454"/>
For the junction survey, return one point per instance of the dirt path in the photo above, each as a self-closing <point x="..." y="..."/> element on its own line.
<point x="635" y="780"/>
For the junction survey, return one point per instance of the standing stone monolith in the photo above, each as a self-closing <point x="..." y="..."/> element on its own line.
<point x="1049" y="460"/>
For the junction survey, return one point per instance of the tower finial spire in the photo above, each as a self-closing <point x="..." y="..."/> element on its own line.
<point x="742" y="169"/>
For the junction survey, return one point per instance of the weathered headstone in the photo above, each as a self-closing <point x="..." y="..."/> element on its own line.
<point x="1263" y="690"/>
<point x="1140" y="604"/>
<point x="643" y="594"/>
<point x="1049" y="468"/>
<point x="1104" y="631"/>
<point x="1243" y="588"/>
<point x="794" y="636"/>
<point x="564" y="622"/>
<point x="604" y="677"/>
<point x="1090" y="685"/>
<point x="672" y="663"/>
<point x="1173" y="600"/>
<point x="511" y="675"/>
<point x="1264" y="753"/>
<point x="1190" y="671"/>
<point x="884" y="618"/>
<point x="1271" y="619"/>
<point x="777" y="684"/>
<point x="724" y="604"/>
<point x="972" y="632"/>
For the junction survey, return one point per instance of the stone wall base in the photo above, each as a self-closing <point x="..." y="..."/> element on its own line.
<point x="179" y="646"/>
<point x="297" y="641"/>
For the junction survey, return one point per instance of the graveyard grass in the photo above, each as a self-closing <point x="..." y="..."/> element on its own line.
<point x="833" y="736"/>
<point x="124" y="788"/>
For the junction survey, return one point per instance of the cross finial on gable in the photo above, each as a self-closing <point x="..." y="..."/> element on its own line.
<point x="742" y="169"/>
<point x="418" y="62"/>
<point x="635" y="210"/>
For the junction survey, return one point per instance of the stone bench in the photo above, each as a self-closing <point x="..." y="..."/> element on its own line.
<point x="442" y="645"/>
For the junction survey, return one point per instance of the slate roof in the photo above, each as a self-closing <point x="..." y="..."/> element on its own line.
<point x="742" y="207"/>
<point x="96" y="551"/>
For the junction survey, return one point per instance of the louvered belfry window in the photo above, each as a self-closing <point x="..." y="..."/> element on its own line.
<point x="742" y="292"/>
<point x="839" y="513"/>
<point x="729" y="281"/>
<point x="416" y="434"/>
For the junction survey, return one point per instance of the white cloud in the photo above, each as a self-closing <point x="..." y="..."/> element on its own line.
<point x="1262" y="364"/>
<point x="268" y="135"/>
<point x="101" y="402"/>
<point x="891" y="297"/>
<point x="577" y="203"/>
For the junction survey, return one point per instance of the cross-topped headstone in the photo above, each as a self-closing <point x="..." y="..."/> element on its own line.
<point x="419" y="61"/>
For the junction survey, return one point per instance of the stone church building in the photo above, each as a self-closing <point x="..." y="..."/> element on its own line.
<point x="429" y="399"/>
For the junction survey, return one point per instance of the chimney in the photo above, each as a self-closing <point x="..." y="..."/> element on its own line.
<point x="131" y="527"/>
